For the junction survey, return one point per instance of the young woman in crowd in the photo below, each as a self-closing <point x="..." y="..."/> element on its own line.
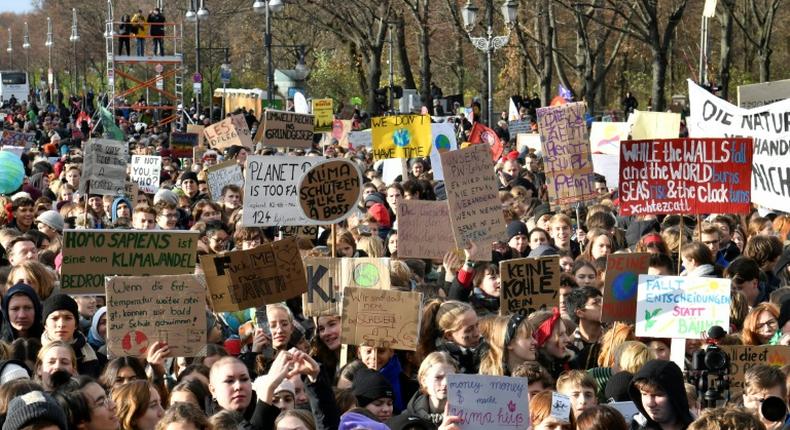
<point x="510" y="343"/>
<point x="60" y="324"/>
<point x="761" y="325"/>
<point x="21" y="314"/>
<point x="122" y="370"/>
<point x="599" y="244"/>
<point x="430" y="402"/>
<point x="585" y="273"/>
<point x="326" y="343"/>
<point x="551" y="337"/>
<point x="139" y="405"/>
<point x="452" y="326"/>
<point x="56" y="357"/>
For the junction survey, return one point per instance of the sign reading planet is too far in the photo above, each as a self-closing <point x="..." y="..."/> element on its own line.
<point x="329" y="191"/>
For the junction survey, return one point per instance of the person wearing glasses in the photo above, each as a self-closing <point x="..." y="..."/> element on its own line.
<point x="761" y="326"/>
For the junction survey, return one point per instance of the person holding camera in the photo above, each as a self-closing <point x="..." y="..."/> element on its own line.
<point x="765" y="394"/>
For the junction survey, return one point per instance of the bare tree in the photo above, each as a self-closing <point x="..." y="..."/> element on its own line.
<point x="763" y="14"/>
<point x="420" y="11"/>
<point x="724" y="16"/>
<point x="536" y="45"/>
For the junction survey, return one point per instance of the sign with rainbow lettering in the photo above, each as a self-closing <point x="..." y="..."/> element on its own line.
<point x="401" y="136"/>
<point x="681" y="307"/>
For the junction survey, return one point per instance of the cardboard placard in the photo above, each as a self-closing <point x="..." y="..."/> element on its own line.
<point x="183" y="145"/>
<point x="145" y="172"/>
<point x="271" y="190"/>
<point x="309" y="232"/>
<point x="285" y="130"/>
<point x="566" y="152"/>
<point x="681" y="307"/>
<point x="424" y="229"/>
<point x="488" y="402"/>
<point x="142" y="310"/>
<point x="105" y="167"/>
<point x="401" y="136"/>
<point x="620" y="286"/>
<point x="222" y="174"/>
<point x="323" y="115"/>
<point x="689" y="176"/>
<point x="360" y="139"/>
<point x="326" y="278"/>
<point x="329" y="191"/>
<point x="381" y="318"/>
<point x="655" y="125"/>
<point x="529" y="284"/>
<point x="744" y="357"/>
<point x="90" y="255"/>
<point x="243" y="130"/>
<point x="519" y="126"/>
<point x="443" y="138"/>
<point x="197" y="129"/>
<point x="269" y="273"/>
<point x="227" y="133"/>
<point x="764" y="93"/>
<point x="472" y="191"/>
<point x="605" y="137"/>
<point x="530" y="141"/>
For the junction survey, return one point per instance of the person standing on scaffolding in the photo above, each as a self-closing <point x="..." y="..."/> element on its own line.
<point x="157" y="23"/>
<point x="125" y="31"/>
<point x="138" y="20"/>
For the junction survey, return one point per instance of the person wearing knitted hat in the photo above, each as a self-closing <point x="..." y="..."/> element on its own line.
<point x="518" y="239"/>
<point x="61" y="316"/>
<point x="284" y="395"/>
<point x="374" y="393"/>
<point x="50" y="223"/>
<point x="189" y="185"/>
<point x="35" y="407"/>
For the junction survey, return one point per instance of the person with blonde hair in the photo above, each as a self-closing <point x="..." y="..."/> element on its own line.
<point x="371" y="245"/>
<point x="54" y="357"/>
<point x="453" y="327"/>
<point x="430" y="401"/>
<point x="511" y="343"/>
<point x="139" y="405"/>
<point x="34" y="274"/>
<point x="726" y="418"/>
<point x="631" y="355"/>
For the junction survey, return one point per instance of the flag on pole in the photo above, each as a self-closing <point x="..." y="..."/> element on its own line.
<point x="108" y="122"/>
<point x="513" y="114"/>
<point x="482" y="134"/>
<point x="565" y="93"/>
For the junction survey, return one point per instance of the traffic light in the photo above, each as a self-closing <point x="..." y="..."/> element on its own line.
<point x="397" y="90"/>
<point x="380" y="98"/>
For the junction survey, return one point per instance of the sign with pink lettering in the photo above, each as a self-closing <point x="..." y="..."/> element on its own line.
<point x="488" y="402"/>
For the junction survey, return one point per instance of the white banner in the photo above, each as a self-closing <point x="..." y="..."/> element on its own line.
<point x="764" y="93"/>
<point x="145" y="172"/>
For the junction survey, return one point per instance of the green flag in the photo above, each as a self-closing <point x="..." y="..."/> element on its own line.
<point x="108" y="122"/>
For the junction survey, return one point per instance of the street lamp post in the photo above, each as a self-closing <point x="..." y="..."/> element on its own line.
<point x="196" y="16"/>
<point x="26" y="47"/>
<point x="489" y="42"/>
<point x="265" y="7"/>
<point x="49" y="43"/>
<point x="10" y="50"/>
<point x="74" y="38"/>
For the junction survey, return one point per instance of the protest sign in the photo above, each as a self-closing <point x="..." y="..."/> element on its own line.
<point x="609" y="167"/>
<point x="530" y="141"/>
<point x="488" y="402"/>
<point x="619" y="291"/>
<point x="443" y="138"/>
<point x="472" y="191"/>
<point x="309" y="232"/>
<point x="528" y="284"/>
<point x="689" y="176"/>
<point x="243" y="130"/>
<point x="228" y="132"/>
<point x="145" y="172"/>
<point x="566" y="154"/>
<point x="714" y="117"/>
<point x="197" y="129"/>
<point x="90" y="255"/>
<point x="655" y="125"/>
<point x="271" y="190"/>
<point x="323" y="114"/>
<point x="763" y="93"/>
<point x="329" y="191"/>
<point x="424" y="229"/>
<point x="105" y="167"/>
<point x="744" y="357"/>
<point x="340" y="130"/>
<point x="182" y="145"/>
<point x="681" y="307"/>
<point x="222" y="174"/>
<point x="605" y="137"/>
<point x="285" y="130"/>
<point x="142" y="310"/>
<point x="17" y="139"/>
<point x="326" y="278"/>
<point x="381" y="318"/>
<point x="401" y="136"/>
<point x="360" y="139"/>
<point x="270" y="273"/>
<point x="519" y="126"/>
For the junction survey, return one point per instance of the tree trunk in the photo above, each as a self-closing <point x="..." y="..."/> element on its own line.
<point x="425" y="65"/>
<point x="374" y="78"/>
<point x="765" y="64"/>
<point x="403" y="55"/>
<point x="659" y="79"/>
<point x="458" y="67"/>
<point x="725" y="45"/>
<point x="547" y="33"/>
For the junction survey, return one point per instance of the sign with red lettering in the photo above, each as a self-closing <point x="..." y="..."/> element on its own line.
<point x="619" y="291"/>
<point x="689" y="176"/>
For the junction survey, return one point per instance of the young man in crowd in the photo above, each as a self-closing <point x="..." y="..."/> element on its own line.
<point x="144" y="218"/>
<point x="761" y="382"/>
<point x="659" y="393"/>
<point x="560" y="229"/>
<point x="584" y="308"/>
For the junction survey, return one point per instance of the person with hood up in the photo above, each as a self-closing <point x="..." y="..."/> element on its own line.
<point x="121" y="208"/>
<point x="21" y="314"/>
<point x="98" y="332"/>
<point x="658" y="392"/>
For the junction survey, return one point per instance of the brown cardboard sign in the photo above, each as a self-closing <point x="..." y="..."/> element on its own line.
<point x="529" y="284"/>
<point x="142" y="310"/>
<point x="744" y="357"/>
<point x="197" y="129"/>
<point x="382" y="318"/>
<point x="327" y="277"/>
<point x="227" y="133"/>
<point x="281" y="129"/>
<point x="269" y="273"/>
<point x="620" y="286"/>
<point x="329" y="191"/>
<point x="90" y="255"/>
<point x="424" y="229"/>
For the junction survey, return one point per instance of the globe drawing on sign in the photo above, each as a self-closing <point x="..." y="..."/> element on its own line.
<point x="135" y="341"/>
<point x="401" y="138"/>
<point x="624" y="286"/>
<point x="442" y="143"/>
<point x="366" y="275"/>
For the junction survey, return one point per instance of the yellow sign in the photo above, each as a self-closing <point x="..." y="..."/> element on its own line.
<point x="322" y="115"/>
<point x="655" y="125"/>
<point x="401" y="136"/>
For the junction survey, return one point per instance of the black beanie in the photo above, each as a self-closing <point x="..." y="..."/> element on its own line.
<point x="515" y="228"/>
<point x="617" y="387"/>
<point x="189" y="175"/>
<point x="34" y="407"/>
<point x="60" y="302"/>
<point x="370" y="386"/>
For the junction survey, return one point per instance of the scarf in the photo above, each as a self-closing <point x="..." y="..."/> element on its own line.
<point x="79" y="344"/>
<point x="392" y="371"/>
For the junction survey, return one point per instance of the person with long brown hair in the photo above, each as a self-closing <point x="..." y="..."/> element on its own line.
<point x="511" y="343"/>
<point x="139" y="405"/>
<point x="761" y="324"/>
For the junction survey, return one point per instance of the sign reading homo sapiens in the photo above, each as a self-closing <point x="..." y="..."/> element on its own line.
<point x="222" y="174"/>
<point x="329" y="191"/>
<point x="381" y="318"/>
<point x="681" y="307"/>
<point x="401" y="136"/>
<point x="142" y="310"/>
<point x="271" y="195"/>
<point x="286" y="130"/>
<point x="529" y="284"/>
<point x="690" y="176"/>
<point x="488" y="402"/>
<point x="90" y="255"/>
<point x="145" y="172"/>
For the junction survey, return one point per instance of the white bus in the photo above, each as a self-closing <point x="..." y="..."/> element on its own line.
<point x="13" y="83"/>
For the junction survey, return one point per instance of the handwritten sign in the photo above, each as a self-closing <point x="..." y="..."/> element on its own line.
<point x="340" y="130"/>
<point x="620" y="285"/>
<point x="309" y="232"/>
<point x="475" y="210"/>
<point x="360" y="139"/>
<point x="691" y="176"/>
<point x="681" y="307"/>
<point x="324" y="117"/>
<point x="528" y="284"/>
<point x="519" y="126"/>
<point x="329" y="191"/>
<point x="269" y="273"/>
<point x="142" y="310"/>
<point x="90" y="255"/>
<point x="655" y="125"/>
<point x="145" y="172"/>
<point x="222" y="174"/>
<point x="326" y="278"/>
<point x="488" y="402"/>
<point x="286" y="130"/>
<point x="271" y="190"/>
<point x="183" y="145"/>
<point x="401" y="136"/>
<point x="566" y="150"/>
<point x="443" y="138"/>
<point x="105" y="167"/>
<point x="381" y="318"/>
<point x="605" y="137"/>
<point x="227" y="133"/>
<point x="743" y="358"/>
<point x="424" y="229"/>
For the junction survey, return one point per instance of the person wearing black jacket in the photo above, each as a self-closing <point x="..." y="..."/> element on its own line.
<point x="658" y="392"/>
<point x="156" y="22"/>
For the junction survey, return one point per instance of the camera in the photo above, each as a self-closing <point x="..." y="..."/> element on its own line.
<point x="709" y="370"/>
